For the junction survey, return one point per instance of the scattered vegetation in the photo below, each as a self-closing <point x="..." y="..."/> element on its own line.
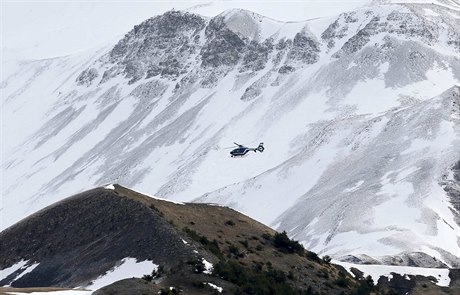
<point x="199" y="285"/>
<point x="156" y="210"/>
<point x="342" y="281"/>
<point x="263" y="278"/>
<point x="230" y="222"/>
<point x="147" y="278"/>
<point x="313" y="256"/>
<point x="286" y="245"/>
<point x="170" y="291"/>
<point x="254" y="280"/>
<point x="365" y="286"/>
<point x="211" y="246"/>
<point x="156" y="273"/>
<point x="193" y="234"/>
<point x="235" y="252"/>
<point x="198" y="265"/>
<point x="266" y="236"/>
<point x="245" y="243"/>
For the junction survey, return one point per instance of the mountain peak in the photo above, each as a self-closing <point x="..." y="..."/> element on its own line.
<point x="242" y="22"/>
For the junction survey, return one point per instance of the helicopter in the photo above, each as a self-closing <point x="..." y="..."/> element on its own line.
<point x="242" y="150"/>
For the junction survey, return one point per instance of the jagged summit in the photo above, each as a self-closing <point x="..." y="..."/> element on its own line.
<point x="173" y="44"/>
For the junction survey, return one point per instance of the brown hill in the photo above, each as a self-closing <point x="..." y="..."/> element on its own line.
<point x="80" y="238"/>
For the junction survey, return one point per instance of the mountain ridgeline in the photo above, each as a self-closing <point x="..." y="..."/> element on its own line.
<point x="78" y="240"/>
<point x="359" y="115"/>
<point x="192" y="247"/>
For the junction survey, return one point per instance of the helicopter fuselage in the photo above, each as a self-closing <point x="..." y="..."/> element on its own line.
<point x="241" y="150"/>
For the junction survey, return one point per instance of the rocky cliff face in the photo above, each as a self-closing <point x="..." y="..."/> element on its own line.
<point x="358" y="113"/>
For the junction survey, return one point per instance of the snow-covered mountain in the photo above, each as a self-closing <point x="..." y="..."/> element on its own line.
<point x="359" y="114"/>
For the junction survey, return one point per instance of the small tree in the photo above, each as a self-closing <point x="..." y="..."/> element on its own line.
<point x="282" y="242"/>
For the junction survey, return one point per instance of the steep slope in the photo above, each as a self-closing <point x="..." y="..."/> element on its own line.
<point x="358" y="113"/>
<point x="90" y="239"/>
<point x="402" y="149"/>
<point x="82" y="237"/>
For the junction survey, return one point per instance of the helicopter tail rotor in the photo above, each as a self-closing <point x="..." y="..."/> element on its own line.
<point x="261" y="148"/>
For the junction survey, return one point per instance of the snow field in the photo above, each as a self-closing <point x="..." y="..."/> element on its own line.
<point x="375" y="271"/>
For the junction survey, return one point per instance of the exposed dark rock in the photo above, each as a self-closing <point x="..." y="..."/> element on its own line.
<point x="87" y="77"/>
<point x="255" y="89"/>
<point x="283" y="44"/>
<point x="282" y="48"/>
<point x="149" y="90"/>
<point x="224" y="49"/>
<point x="330" y="33"/>
<point x="251" y="92"/>
<point x="359" y="40"/>
<point x="455" y="43"/>
<point x="210" y="78"/>
<point x="167" y="46"/>
<point x="454" y="275"/>
<point x="413" y="259"/>
<point x="286" y="69"/>
<point x="350" y="17"/>
<point x="359" y="259"/>
<point x="256" y="56"/>
<point x="410" y="25"/>
<point x="160" y="45"/>
<point x="156" y="33"/>
<point x="333" y="32"/>
<point x="110" y="73"/>
<point x="134" y="69"/>
<point x="304" y="49"/>
<point x="406" y="24"/>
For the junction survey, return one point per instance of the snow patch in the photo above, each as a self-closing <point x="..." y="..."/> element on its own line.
<point x="21" y="265"/>
<point x="9" y="270"/>
<point x="110" y="186"/>
<point x="215" y="287"/>
<point x="63" y="292"/>
<point x="375" y="271"/>
<point x="128" y="268"/>
<point x="208" y="267"/>
<point x="430" y="12"/>
<point x="353" y="188"/>
<point x="27" y="270"/>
